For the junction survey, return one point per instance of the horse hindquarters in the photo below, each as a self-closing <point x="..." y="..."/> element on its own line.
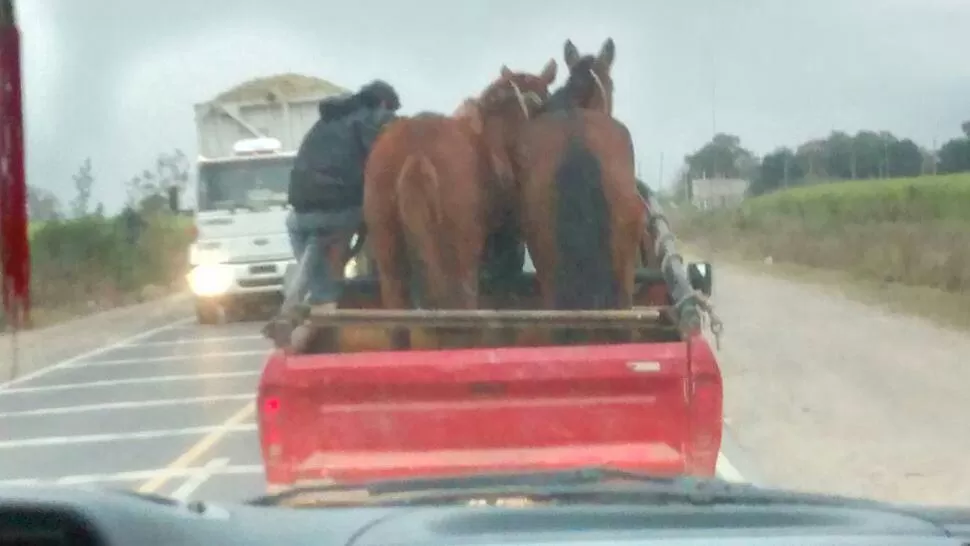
<point x="384" y="228"/>
<point x="628" y="228"/>
<point x="443" y="230"/>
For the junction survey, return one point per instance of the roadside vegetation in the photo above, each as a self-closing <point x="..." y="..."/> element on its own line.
<point x="901" y="229"/>
<point x="84" y="260"/>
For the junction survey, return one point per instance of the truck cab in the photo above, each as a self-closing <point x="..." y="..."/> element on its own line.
<point x="241" y="250"/>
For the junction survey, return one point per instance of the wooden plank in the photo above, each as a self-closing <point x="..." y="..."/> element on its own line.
<point x="488" y="319"/>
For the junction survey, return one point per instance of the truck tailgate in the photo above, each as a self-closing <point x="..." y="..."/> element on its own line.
<point x="368" y="415"/>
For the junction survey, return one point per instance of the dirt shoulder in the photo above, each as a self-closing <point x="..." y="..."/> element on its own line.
<point x="828" y="393"/>
<point x="45" y="346"/>
<point x="947" y="309"/>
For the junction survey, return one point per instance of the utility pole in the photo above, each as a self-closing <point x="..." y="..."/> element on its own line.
<point x="885" y="148"/>
<point x="714" y="106"/>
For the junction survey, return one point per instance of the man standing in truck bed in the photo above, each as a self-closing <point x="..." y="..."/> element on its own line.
<point x="327" y="188"/>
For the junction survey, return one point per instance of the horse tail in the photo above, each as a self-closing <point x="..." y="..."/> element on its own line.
<point x="419" y="206"/>
<point x="584" y="270"/>
<point x="419" y="178"/>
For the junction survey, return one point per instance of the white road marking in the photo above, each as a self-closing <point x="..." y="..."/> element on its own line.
<point x="727" y="471"/>
<point x="5" y="386"/>
<point x="138" y="475"/>
<point x="191" y="340"/>
<point x="45" y="441"/>
<point x="166" y="358"/>
<point x="132" y="381"/>
<point x="198" y="478"/>
<point x="135" y="404"/>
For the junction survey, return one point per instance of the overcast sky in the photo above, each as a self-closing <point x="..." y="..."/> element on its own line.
<point x="116" y="79"/>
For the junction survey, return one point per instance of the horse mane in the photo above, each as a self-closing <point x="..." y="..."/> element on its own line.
<point x="579" y="83"/>
<point x="489" y="104"/>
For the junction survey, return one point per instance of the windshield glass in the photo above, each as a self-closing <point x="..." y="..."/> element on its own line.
<point x="252" y="183"/>
<point x="782" y="299"/>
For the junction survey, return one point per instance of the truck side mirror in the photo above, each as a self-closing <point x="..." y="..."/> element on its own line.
<point x="701" y="276"/>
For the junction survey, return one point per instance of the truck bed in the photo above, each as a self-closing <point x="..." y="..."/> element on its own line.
<point x="512" y="397"/>
<point x="653" y="407"/>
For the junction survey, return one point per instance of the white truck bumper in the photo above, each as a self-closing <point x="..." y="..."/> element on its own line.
<point x="218" y="281"/>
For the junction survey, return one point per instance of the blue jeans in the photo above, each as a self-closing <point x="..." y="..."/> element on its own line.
<point x="322" y="275"/>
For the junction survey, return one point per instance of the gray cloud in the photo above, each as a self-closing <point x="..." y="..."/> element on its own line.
<point x="115" y="79"/>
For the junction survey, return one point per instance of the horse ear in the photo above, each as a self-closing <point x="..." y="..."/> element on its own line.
<point x="607" y="53"/>
<point x="506" y="73"/>
<point x="570" y="54"/>
<point x="548" y="74"/>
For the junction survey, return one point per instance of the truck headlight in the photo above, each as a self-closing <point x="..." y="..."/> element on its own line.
<point x="210" y="279"/>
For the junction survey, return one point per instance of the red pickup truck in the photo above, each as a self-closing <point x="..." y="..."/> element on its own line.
<point x="513" y="401"/>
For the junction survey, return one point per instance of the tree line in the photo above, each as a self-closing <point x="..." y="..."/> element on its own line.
<point x="147" y="191"/>
<point x="864" y="155"/>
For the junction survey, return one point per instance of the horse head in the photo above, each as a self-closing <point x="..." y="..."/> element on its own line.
<point x="590" y="84"/>
<point x="512" y="99"/>
<point x="504" y="107"/>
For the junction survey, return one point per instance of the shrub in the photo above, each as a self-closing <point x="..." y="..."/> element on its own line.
<point x="92" y="260"/>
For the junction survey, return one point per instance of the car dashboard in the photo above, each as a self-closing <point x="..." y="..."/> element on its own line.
<point x="53" y="516"/>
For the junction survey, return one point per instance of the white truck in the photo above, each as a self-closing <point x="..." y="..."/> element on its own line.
<point x="247" y="141"/>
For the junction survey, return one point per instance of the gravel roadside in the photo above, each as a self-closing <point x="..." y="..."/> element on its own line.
<point x="43" y="347"/>
<point x="828" y="394"/>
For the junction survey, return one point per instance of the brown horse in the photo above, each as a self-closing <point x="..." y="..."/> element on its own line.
<point x="582" y="215"/>
<point x="437" y="187"/>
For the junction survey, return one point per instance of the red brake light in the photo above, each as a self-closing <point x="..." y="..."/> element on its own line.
<point x="271" y="405"/>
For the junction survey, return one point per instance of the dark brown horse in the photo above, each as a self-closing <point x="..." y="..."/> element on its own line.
<point x="581" y="212"/>
<point x="437" y="187"/>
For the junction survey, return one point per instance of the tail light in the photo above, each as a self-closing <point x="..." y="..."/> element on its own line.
<point x="706" y="407"/>
<point x="193" y="232"/>
<point x="705" y="426"/>
<point x="269" y="430"/>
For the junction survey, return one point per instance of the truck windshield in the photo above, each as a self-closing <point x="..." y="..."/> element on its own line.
<point x="247" y="183"/>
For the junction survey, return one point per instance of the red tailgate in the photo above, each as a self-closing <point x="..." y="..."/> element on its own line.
<point x="369" y="415"/>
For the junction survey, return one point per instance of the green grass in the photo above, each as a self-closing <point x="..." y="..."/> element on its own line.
<point x="82" y="264"/>
<point x="925" y="198"/>
<point x="908" y="232"/>
<point x="34" y="227"/>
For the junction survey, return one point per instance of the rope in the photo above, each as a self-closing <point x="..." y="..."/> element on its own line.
<point x="706" y="312"/>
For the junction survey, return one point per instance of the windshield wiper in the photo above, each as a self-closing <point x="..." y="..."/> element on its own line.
<point x="586" y="485"/>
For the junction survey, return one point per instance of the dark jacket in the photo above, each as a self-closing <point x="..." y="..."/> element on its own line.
<point x="328" y="173"/>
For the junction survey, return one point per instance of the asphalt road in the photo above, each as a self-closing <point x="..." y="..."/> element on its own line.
<point x="154" y="412"/>
<point x="168" y="410"/>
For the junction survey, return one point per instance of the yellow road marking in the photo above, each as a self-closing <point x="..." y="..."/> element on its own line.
<point x="191" y="455"/>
